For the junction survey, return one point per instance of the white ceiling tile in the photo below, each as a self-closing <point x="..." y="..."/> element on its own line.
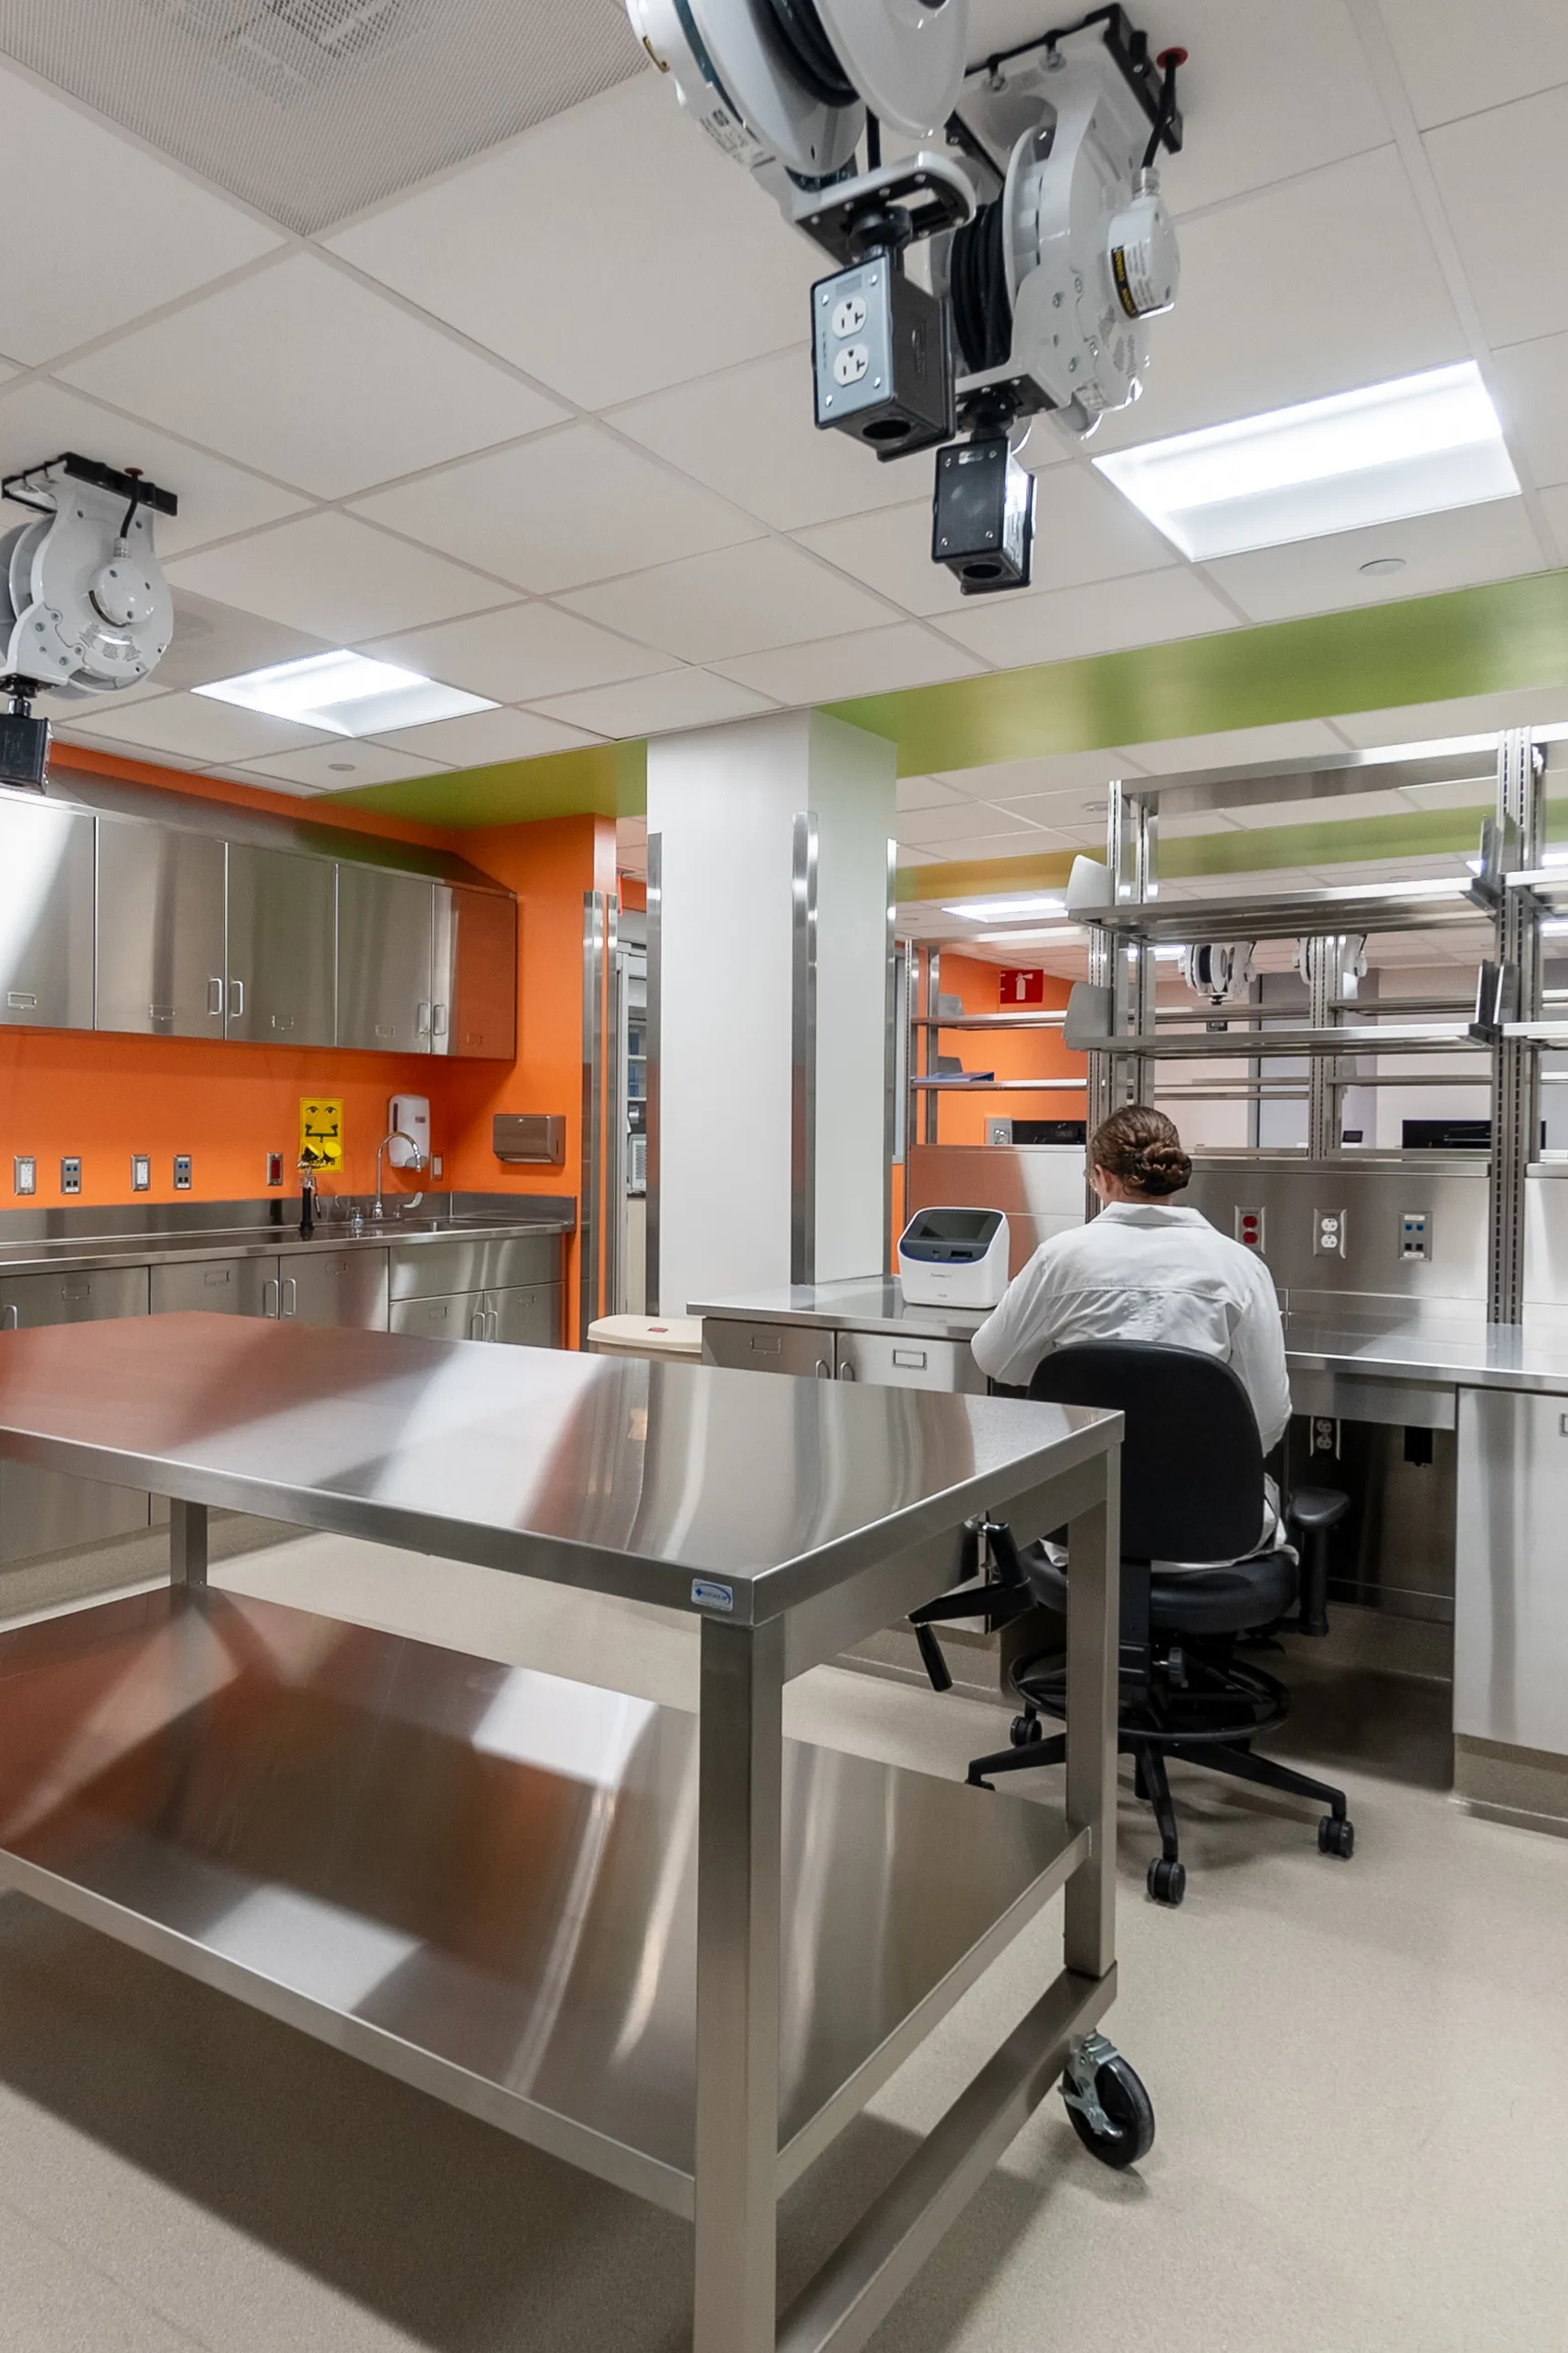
<point x="1527" y="381"/>
<point x="39" y="420"/>
<point x="522" y="652"/>
<point x="1448" y="796"/>
<point x="214" y="641"/>
<point x="981" y="848"/>
<point x="737" y="600"/>
<point x="926" y="792"/>
<point x="334" y="576"/>
<point x="609" y="253"/>
<point x="197" y="727"/>
<point x="1469" y="53"/>
<point x="99" y="230"/>
<point x="750" y="433"/>
<point x="1238" y="747"/>
<point x="1051" y="773"/>
<point x="1469" y="714"/>
<point x="340" y="766"/>
<point x="1494" y="542"/>
<point x="1341" y="811"/>
<point x="481" y="737"/>
<point x="653" y="706"/>
<point x="1555" y="502"/>
<point x="1059" y="811"/>
<point x="1488" y="169"/>
<point x="1084" y="530"/>
<point x="909" y="854"/>
<point x="866" y="662"/>
<point x="960" y="821"/>
<point x="1101" y="618"/>
<point x="577" y="505"/>
<point x="1342" y="323"/>
<point x="1210" y="821"/>
<point x="310" y="375"/>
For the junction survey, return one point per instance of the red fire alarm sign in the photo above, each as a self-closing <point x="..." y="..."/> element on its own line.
<point x="1024" y="988"/>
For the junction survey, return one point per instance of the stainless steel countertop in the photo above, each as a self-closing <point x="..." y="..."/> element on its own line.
<point x="81" y="1253"/>
<point x="863" y="1303"/>
<point x="605" y="1472"/>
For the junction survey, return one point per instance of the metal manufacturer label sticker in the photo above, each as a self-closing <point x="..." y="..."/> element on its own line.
<point x="705" y="1594"/>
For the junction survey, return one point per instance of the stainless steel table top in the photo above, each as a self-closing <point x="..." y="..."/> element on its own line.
<point x="610" y="1473"/>
<point x="864" y="1303"/>
<point x="81" y="1253"/>
<point x="1450" y="1349"/>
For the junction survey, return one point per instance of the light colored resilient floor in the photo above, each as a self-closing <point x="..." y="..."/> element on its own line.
<point x="1359" y="2074"/>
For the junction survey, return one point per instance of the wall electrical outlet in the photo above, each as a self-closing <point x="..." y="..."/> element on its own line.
<point x="70" y="1173"/>
<point x="181" y="1172"/>
<point x="1415" y="1234"/>
<point x="1250" y="1228"/>
<point x="274" y="1168"/>
<point x="24" y="1173"/>
<point x="437" y="1164"/>
<point x="1328" y="1234"/>
<point x="141" y="1171"/>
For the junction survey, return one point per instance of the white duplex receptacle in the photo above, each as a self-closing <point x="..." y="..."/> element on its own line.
<point x="1328" y="1232"/>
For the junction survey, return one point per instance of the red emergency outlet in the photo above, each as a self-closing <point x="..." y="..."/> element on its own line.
<point x="1249" y="1228"/>
<point x="1024" y="988"/>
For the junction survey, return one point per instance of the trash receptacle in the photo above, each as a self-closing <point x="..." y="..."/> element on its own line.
<point x="647" y="1335"/>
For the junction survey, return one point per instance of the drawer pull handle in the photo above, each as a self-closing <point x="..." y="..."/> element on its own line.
<point x="23" y="998"/>
<point x="913" y="1358"/>
<point x="766" y="1347"/>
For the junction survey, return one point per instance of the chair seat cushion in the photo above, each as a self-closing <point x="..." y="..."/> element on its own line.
<point x="1232" y="1600"/>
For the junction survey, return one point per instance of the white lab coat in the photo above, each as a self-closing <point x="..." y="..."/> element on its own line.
<point x="1145" y="1270"/>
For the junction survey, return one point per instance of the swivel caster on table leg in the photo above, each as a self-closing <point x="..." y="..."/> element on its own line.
<point x="1167" y="1880"/>
<point x="1110" y="2111"/>
<point x="1336" y="1836"/>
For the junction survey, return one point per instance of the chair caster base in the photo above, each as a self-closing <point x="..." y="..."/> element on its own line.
<point x="1167" y="1880"/>
<point x="1024" y="1729"/>
<point x="1335" y="1837"/>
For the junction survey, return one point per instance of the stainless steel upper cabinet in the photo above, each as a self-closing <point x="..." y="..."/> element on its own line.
<point x="281" y="947"/>
<point x="476" y="974"/>
<point x="161" y="964"/>
<point x="383" y="951"/>
<point x="45" y="915"/>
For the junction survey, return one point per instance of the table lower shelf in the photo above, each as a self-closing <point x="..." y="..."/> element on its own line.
<point x="481" y="1878"/>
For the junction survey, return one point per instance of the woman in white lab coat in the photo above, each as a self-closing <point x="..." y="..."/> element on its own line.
<point x="1144" y="1269"/>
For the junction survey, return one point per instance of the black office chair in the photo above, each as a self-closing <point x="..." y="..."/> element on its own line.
<point x="1191" y="1489"/>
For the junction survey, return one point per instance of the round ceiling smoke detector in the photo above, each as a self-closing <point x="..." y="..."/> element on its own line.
<point x="1381" y="568"/>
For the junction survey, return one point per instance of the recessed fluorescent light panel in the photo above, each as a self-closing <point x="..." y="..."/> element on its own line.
<point x="998" y="910"/>
<point x="1023" y="939"/>
<point x="1418" y="446"/>
<point x="345" y="694"/>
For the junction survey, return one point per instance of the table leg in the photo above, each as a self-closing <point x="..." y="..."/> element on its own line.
<point x="1093" y="1608"/>
<point x="739" y="1874"/>
<point x="188" y="1542"/>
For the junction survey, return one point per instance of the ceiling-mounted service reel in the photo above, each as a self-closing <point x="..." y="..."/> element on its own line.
<point x="1219" y="970"/>
<point x="84" y="606"/>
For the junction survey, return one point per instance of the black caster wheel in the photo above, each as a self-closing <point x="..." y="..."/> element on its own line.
<point x="1336" y="1837"/>
<point x="1111" y="2113"/>
<point x="1025" y="1729"/>
<point x="1166" y="1881"/>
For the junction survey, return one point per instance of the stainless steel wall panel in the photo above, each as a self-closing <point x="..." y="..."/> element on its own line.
<point x="45" y="915"/>
<point x="1373" y="1197"/>
<point x="1040" y="1187"/>
<point x="385" y="943"/>
<point x="161" y="963"/>
<point x="283" y="927"/>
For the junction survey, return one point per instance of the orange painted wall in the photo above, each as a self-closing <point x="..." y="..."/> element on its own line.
<point x="1012" y="1053"/>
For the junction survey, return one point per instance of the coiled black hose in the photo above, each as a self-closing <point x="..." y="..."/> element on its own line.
<point x="982" y="308"/>
<point x="811" y="53"/>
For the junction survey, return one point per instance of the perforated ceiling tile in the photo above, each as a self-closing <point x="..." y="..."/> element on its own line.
<point x="311" y="110"/>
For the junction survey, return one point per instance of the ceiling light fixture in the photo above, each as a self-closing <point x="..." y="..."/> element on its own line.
<point x="1420" y="445"/>
<point x="998" y="910"/>
<point x="345" y="694"/>
<point x="1023" y="939"/>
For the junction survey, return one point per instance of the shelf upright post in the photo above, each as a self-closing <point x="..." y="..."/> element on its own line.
<point x="932" y="1037"/>
<point x="1331" y="960"/>
<point x="1123" y="965"/>
<point x="1516" y="1061"/>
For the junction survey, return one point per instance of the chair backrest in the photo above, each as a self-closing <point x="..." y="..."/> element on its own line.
<point x="1191" y="1462"/>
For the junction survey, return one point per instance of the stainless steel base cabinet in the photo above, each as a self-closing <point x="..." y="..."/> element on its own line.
<point x="517" y="1317"/>
<point x="768" y="1347"/>
<point x="336" y="1287"/>
<point x="215" y="1287"/>
<point x="45" y="1510"/>
<point x="456" y="1316"/>
<point x="1511" y="1601"/>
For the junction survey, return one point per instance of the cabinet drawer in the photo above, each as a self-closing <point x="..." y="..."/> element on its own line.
<point x="456" y="1318"/>
<point x="891" y="1362"/>
<point x="769" y="1347"/>
<point x="216" y="1287"/>
<point x="29" y="1301"/>
<point x="479" y="1262"/>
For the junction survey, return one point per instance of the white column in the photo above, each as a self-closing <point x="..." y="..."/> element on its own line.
<point x="723" y="804"/>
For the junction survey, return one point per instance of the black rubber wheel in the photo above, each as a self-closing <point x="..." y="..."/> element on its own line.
<point x="1336" y="1837"/>
<point x="1129" y="2112"/>
<point x="1166" y="1881"/>
<point x="1025" y="1729"/>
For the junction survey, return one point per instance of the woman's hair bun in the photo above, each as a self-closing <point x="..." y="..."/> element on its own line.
<point x="1141" y="1147"/>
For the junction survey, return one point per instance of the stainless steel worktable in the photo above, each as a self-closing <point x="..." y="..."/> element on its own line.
<point x="682" y="1955"/>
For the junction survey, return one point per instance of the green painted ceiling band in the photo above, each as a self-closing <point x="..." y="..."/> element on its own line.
<point x="1512" y="634"/>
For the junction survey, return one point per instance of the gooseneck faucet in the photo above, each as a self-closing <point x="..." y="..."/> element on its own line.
<point x="417" y="1161"/>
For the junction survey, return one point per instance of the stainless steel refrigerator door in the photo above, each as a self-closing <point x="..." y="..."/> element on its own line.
<point x="161" y="953"/>
<point x="283" y="928"/>
<point x="45" y="915"/>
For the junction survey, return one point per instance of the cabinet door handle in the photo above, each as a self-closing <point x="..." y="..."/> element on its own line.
<point x="422" y="1018"/>
<point x="439" y="1020"/>
<point x="237" y="1000"/>
<point x="215" y="998"/>
<point x="825" y="1370"/>
<point x="476" y="1324"/>
<point x="271" y="1293"/>
<point x="291" y="1295"/>
<point x="13" y="1319"/>
<point x="847" y="1373"/>
<point x="493" y="1321"/>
